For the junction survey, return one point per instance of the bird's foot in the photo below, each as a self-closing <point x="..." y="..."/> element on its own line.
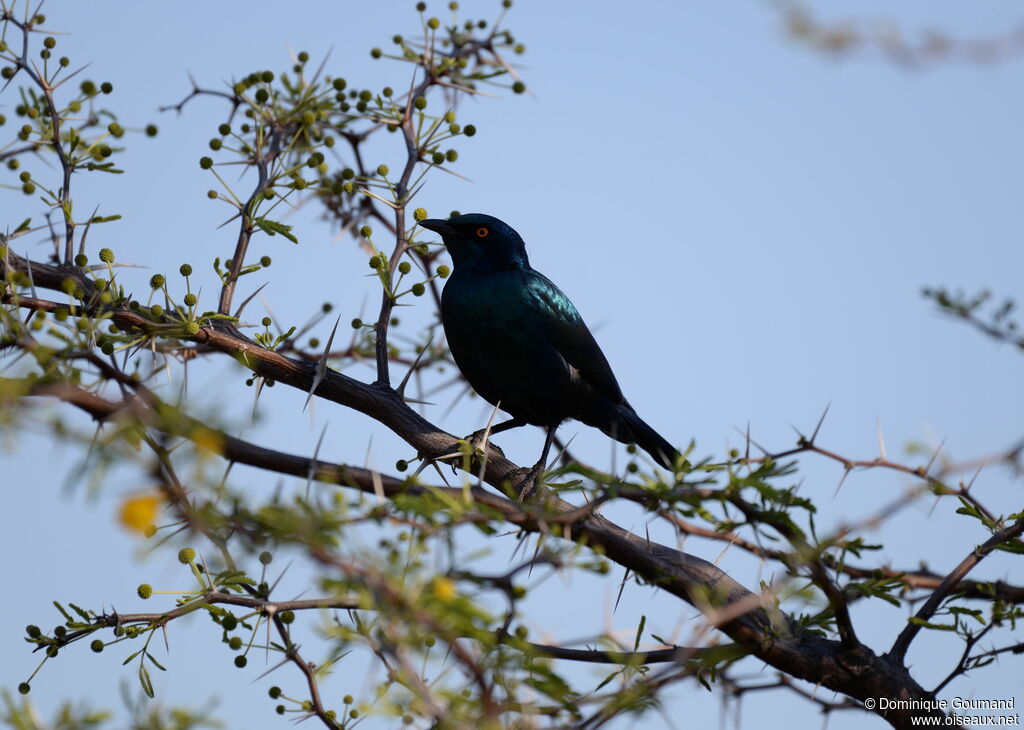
<point x="530" y="480"/>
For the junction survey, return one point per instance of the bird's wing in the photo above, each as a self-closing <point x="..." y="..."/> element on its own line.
<point x="564" y="329"/>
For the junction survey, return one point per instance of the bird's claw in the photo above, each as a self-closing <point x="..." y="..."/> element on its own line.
<point x="530" y="480"/>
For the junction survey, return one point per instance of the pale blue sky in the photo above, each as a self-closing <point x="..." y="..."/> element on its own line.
<point x="745" y="224"/>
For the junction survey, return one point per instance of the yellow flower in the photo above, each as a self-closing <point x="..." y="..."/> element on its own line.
<point x="139" y="512"/>
<point x="207" y="441"/>
<point x="444" y="589"/>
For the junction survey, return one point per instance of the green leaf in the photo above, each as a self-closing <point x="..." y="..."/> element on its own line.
<point x="272" y="228"/>
<point x="1014" y="546"/>
<point x="607" y="679"/>
<point x="81" y="612"/>
<point x="929" y="625"/>
<point x="24" y="225"/>
<point x="639" y="633"/>
<point x="145" y="681"/>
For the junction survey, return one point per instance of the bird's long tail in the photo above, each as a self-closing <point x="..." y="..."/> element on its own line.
<point x="630" y="428"/>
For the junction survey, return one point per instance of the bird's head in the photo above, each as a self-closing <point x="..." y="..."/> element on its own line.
<point x="480" y="242"/>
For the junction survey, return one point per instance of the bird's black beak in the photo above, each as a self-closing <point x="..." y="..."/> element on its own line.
<point x="438" y="226"/>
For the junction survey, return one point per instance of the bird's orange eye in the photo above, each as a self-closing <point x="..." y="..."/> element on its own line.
<point x="483" y="232"/>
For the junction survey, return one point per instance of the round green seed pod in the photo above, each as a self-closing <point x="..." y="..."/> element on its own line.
<point x="33" y="631"/>
<point x="106" y="256"/>
<point x="96" y="645"/>
<point x="106" y="87"/>
<point x="190" y="300"/>
<point x="266" y="557"/>
<point x="81" y="260"/>
<point x="365" y="231"/>
<point x="443" y="271"/>
<point x="451" y="155"/>
<point x="156" y="310"/>
<point x="241" y="661"/>
<point x="274" y="692"/>
<point x="518" y="87"/>
<point x="469" y="130"/>
<point x="405" y="267"/>
<point x="382" y="170"/>
<point x="437" y="158"/>
<point x="186" y="555"/>
<point x="376" y="53"/>
<point x="205" y="162"/>
<point x="235" y="643"/>
<point x="151" y="130"/>
<point x="265" y="261"/>
<point x="287" y="617"/>
<point x="24" y="688"/>
<point x="418" y="289"/>
<point x="266" y="321"/>
<point x="212" y="194"/>
<point x="420" y="102"/>
<point x="357" y="323"/>
<point x="156" y="281"/>
<point x="433" y="23"/>
<point x="145" y="591"/>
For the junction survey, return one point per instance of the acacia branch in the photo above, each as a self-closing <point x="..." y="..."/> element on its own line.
<point x="899" y="649"/>
<point x="857" y="672"/>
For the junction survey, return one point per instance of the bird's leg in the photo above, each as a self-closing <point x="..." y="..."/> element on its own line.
<point x="538" y="469"/>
